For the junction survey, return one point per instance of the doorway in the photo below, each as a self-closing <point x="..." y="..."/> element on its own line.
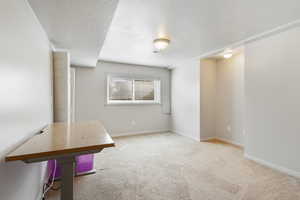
<point x="222" y="97"/>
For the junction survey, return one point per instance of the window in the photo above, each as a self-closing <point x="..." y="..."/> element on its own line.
<point x="122" y="90"/>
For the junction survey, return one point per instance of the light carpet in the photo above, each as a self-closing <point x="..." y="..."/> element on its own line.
<point x="171" y="167"/>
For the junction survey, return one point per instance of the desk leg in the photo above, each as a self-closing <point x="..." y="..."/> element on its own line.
<point x="67" y="174"/>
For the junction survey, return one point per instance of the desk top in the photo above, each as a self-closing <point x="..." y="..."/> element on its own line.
<point x="63" y="138"/>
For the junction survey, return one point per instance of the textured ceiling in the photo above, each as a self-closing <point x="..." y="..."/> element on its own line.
<point x="195" y="27"/>
<point x="79" y="26"/>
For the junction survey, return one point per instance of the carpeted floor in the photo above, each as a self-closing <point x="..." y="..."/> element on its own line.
<point x="171" y="167"/>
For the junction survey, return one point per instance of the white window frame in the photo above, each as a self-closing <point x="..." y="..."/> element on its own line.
<point x="157" y="91"/>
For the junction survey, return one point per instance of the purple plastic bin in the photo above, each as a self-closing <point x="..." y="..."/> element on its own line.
<point x="84" y="163"/>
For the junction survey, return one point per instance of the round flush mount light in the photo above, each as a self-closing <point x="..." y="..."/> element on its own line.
<point x="228" y="54"/>
<point x="161" y="43"/>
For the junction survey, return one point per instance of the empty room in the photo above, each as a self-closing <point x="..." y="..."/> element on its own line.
<point x="149" y="100"/>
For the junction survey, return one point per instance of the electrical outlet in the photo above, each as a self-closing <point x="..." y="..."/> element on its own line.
<point x="228" y="128"/>
<point x="133" y="123"/>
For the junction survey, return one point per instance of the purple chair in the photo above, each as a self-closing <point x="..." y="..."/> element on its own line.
<point x="84" y="164"/>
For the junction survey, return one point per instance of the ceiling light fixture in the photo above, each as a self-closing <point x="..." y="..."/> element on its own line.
<point x="161" y="43"/>
<point x="228" y="54"/>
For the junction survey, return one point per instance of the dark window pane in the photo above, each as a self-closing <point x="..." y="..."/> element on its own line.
<point x="120" y="89"/>
<point x="144" y="90"/>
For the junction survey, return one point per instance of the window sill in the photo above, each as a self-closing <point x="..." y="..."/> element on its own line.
<point x="131" y="103"/>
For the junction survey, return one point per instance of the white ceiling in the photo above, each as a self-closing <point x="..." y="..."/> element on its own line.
<point x="79" y="26"/>
<point x="195" y="27"/>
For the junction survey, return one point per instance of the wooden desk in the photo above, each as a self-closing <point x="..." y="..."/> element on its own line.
<point x="63" y="142"/>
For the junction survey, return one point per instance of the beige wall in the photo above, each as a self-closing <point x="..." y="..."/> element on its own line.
<point x="25" y="91"/>
<point x="208" y="68"/>
<point x="230" y="99"/>
<point x="62" y="86"/>
<point x="222" y="98"/>
<point x="272" y="86"/>
<point x="120" y="119"/>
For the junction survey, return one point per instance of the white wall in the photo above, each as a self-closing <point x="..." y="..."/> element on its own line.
<point x="230" y="99"/>
<point x="25" y="90"/>
<point x="185" y="84"/>
<point x="208" y="98"/>
<point x="120" y="119"/>
<point x="272" y="86"/>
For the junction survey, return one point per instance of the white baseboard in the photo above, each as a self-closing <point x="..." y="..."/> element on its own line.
<point x="273" y="166"/>
<point x="207" y="138"/>
<point x="222" y="139"/>
<point x="138" y="133"/>
<point x="185" y="135"/>
<point x="230" y="141"/>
